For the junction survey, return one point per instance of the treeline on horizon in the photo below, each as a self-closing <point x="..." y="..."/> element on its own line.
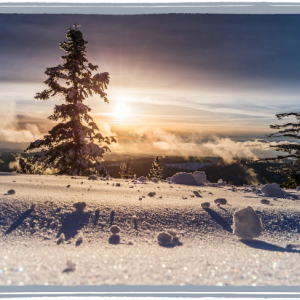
<point x="239" y="172"/>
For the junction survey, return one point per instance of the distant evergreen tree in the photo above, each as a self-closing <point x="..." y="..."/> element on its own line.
<point x="126" y="171"/>
<point x="70" y="146"/>
<point x="156" y="170"/>
<point x="292" y="131"/>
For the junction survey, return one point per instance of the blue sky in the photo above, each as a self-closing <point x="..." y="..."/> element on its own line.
<point x="206" y="76"/>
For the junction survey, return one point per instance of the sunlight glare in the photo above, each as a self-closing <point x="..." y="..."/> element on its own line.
<point x="121" y="111"/>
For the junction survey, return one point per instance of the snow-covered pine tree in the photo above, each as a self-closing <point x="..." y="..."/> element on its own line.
<point x="290" y="170"/>
<point x="72" y="147"/>
<point x="126" y="171"/>
<point x="156" y="170"/>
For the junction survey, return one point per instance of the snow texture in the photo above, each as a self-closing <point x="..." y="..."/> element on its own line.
<point x="184" y="178"/>
<point x="273" y="190"/>
<point x="200" y="177"/>
<point x="246" y="224"/>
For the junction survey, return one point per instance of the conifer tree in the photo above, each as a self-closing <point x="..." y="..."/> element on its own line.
<point x="72" y="147"/>
<point x="126" y="171"/>
<point x="156" y="170"/>
<point x="290" y="170"/>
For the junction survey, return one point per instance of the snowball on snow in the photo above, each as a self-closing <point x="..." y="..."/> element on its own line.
<point x="246" y="224"/>
<point x="184" y="178"/>
<point x="114" y="229"/>
<point x="92" y="177"/>
<point x="155" y="180"/>
<point x="205" y="205"/>
<point x="164" y="238"/>
<point x="222" y="201"/>
<point x="273" y="190"/>
<point x="200" y="177"/>
<point x="298" y="188"/>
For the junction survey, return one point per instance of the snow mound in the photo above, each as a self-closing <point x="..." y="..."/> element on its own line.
<point x="246" y="224"/>
<point x="169" y="179"/>
<point x="142" y="179"/>
<point x="155" y="180"/>
<point x="92" y="177"/>
<point x="298" y="188"/>
<point x="200" y="177"/>
<point x="273" y="190"/>
<point x="184" y="178"/>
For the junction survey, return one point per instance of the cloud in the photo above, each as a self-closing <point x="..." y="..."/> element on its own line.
<point x="10" y="130"/>
<point x="155" y="141"/>
<point x="260" y="144"/>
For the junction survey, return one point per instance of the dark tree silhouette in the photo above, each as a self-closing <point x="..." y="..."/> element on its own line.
<point x="72" y="147"/>
<point x="289" y="170"/>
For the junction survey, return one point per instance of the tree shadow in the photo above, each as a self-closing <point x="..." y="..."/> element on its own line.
<point x="219" y="219"/>
<point x="72" y="223"/>
<point x="258" y="244"/>
<point x="19" y="221"/>
<point x="97" y="216"/>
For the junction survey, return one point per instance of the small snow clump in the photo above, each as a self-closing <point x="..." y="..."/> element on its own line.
<point x="200" y="177"/>
<point x="92" y="177"/>
<point x="142" y="179"/>
<point x="205" y="205"/>
<point x="155" y="180"/>
<point x="221" y="201"/>
<point x="264" y="201"/>
<point x="164" y="238"/>
<point x="151" y="194"/>
<point x="114" y="229"/>
<point x="246" y="224"/>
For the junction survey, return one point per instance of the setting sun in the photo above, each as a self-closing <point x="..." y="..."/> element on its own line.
<point x="121" y="111"/>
